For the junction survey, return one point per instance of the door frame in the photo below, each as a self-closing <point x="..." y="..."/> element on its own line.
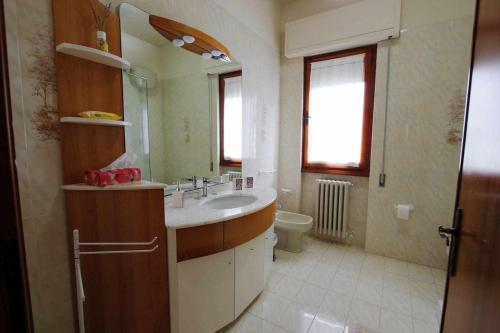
<point x="15" y="305"/>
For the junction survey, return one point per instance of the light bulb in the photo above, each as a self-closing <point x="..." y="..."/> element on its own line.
<point x="216" y="53"/>
<point x="188" y="39"/>
<point x="206" y="55"/>
<point x="178" y="42"/>
<point x="224" y="58"/>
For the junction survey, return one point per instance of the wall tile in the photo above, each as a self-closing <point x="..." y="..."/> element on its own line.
<point x="429" y="67"/>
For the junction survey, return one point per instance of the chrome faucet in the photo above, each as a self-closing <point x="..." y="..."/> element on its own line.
<point x="205" y="186"/>
<point x="193" y="180"/>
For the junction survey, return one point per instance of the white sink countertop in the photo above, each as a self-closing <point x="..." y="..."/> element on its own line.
<point x="195" y="214"/>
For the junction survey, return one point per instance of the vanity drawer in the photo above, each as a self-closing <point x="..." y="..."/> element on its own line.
<point x="246" y="228"/>
<point x="195" y="242"/>
<point x="199" y="241"/>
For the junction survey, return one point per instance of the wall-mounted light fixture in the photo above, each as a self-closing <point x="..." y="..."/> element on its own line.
<point x="216" y="53"/>
<point x="188" y="39"/>
<point x="178" y="42"/>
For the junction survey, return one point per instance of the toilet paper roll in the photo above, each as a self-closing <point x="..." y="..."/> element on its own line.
<point x="403" y="211"/>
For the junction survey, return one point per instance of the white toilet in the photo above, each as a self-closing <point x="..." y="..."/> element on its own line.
<point x="291" y="227"/>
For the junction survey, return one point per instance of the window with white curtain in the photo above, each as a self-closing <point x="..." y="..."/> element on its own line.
<point x="338" y="107"/>
<point x="230" y="109"/>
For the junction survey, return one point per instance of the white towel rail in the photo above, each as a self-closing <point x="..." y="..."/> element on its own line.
<point x="80" y="291"/>
<point x="120" y="251"/>
<point x="120" y="244"/>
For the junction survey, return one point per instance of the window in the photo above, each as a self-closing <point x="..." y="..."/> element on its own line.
<point x="230" y="118"/>
<point x="338" y="107"/>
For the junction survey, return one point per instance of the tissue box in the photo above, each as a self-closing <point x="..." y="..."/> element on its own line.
<point x="122" y="176"/>
<point x="98" y="178"/>
<point x="136" y="174"/>
<point x="112" y="177"/>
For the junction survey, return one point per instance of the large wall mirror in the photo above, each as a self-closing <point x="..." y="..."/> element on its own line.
<point x="183" y="98"/>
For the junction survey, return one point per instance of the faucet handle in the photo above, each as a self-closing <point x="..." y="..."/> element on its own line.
<point x="193" y="180"/>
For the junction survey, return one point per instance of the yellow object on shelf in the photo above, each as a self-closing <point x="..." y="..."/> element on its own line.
<point x="100" y="115"/>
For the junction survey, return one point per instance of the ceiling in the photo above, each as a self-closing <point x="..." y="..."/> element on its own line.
<point x="332" y="3"/>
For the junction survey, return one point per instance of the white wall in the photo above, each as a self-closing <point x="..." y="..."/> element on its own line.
<point x="260" y="16"/>
<point x="428" y="82"/>
<point x="296" y="9"/>
<point x="428" y="79"/>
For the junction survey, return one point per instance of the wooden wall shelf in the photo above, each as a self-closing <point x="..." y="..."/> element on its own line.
<point x="91" y="121"/>
<point x="92" y="54"/>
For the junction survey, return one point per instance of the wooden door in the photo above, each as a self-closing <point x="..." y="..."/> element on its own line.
<point x="473" y="293"/>
<point x="123" y="292"/>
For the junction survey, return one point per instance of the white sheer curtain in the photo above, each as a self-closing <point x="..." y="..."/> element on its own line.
<point x="336" y="100"/>
<point x="232" y="118"/>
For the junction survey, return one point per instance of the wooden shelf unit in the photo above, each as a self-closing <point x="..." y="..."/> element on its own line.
<point x="124" y="292"/>
<point x="93" y="54"/>
<point x="93" y="121"/>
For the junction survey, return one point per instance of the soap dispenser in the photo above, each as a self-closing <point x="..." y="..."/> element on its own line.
<point x="178" y="196"/>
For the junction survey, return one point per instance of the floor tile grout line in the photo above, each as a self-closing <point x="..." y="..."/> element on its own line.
<point x="356" y="266"/>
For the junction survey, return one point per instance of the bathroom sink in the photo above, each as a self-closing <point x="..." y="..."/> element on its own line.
<point x="229" y="201"/>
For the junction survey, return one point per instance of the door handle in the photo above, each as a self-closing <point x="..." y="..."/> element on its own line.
<point x="447" y="233"/>
<point x="452" y="236"/>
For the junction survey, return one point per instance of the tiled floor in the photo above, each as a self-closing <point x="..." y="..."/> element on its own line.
<point x="331" y="288"/>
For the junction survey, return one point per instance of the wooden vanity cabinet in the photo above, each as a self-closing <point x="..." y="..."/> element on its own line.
<point x="217" y="270"/>
<point x="214" y="290"/>
<point x="124" y="292"/>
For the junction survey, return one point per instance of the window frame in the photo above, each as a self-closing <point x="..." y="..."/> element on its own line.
<point x="222" y="161"/>
<point x="363" y="169"/>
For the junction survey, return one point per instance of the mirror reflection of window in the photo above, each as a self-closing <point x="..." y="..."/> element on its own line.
<point x="230" y="109"/>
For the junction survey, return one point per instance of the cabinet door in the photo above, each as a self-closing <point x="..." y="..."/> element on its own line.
<point x="268" y="252"/>
<point x="206" y="292"/>
<point x="249" y="272"/>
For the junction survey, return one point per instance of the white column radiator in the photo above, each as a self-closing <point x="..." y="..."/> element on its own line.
<point x="332" y="206"/>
